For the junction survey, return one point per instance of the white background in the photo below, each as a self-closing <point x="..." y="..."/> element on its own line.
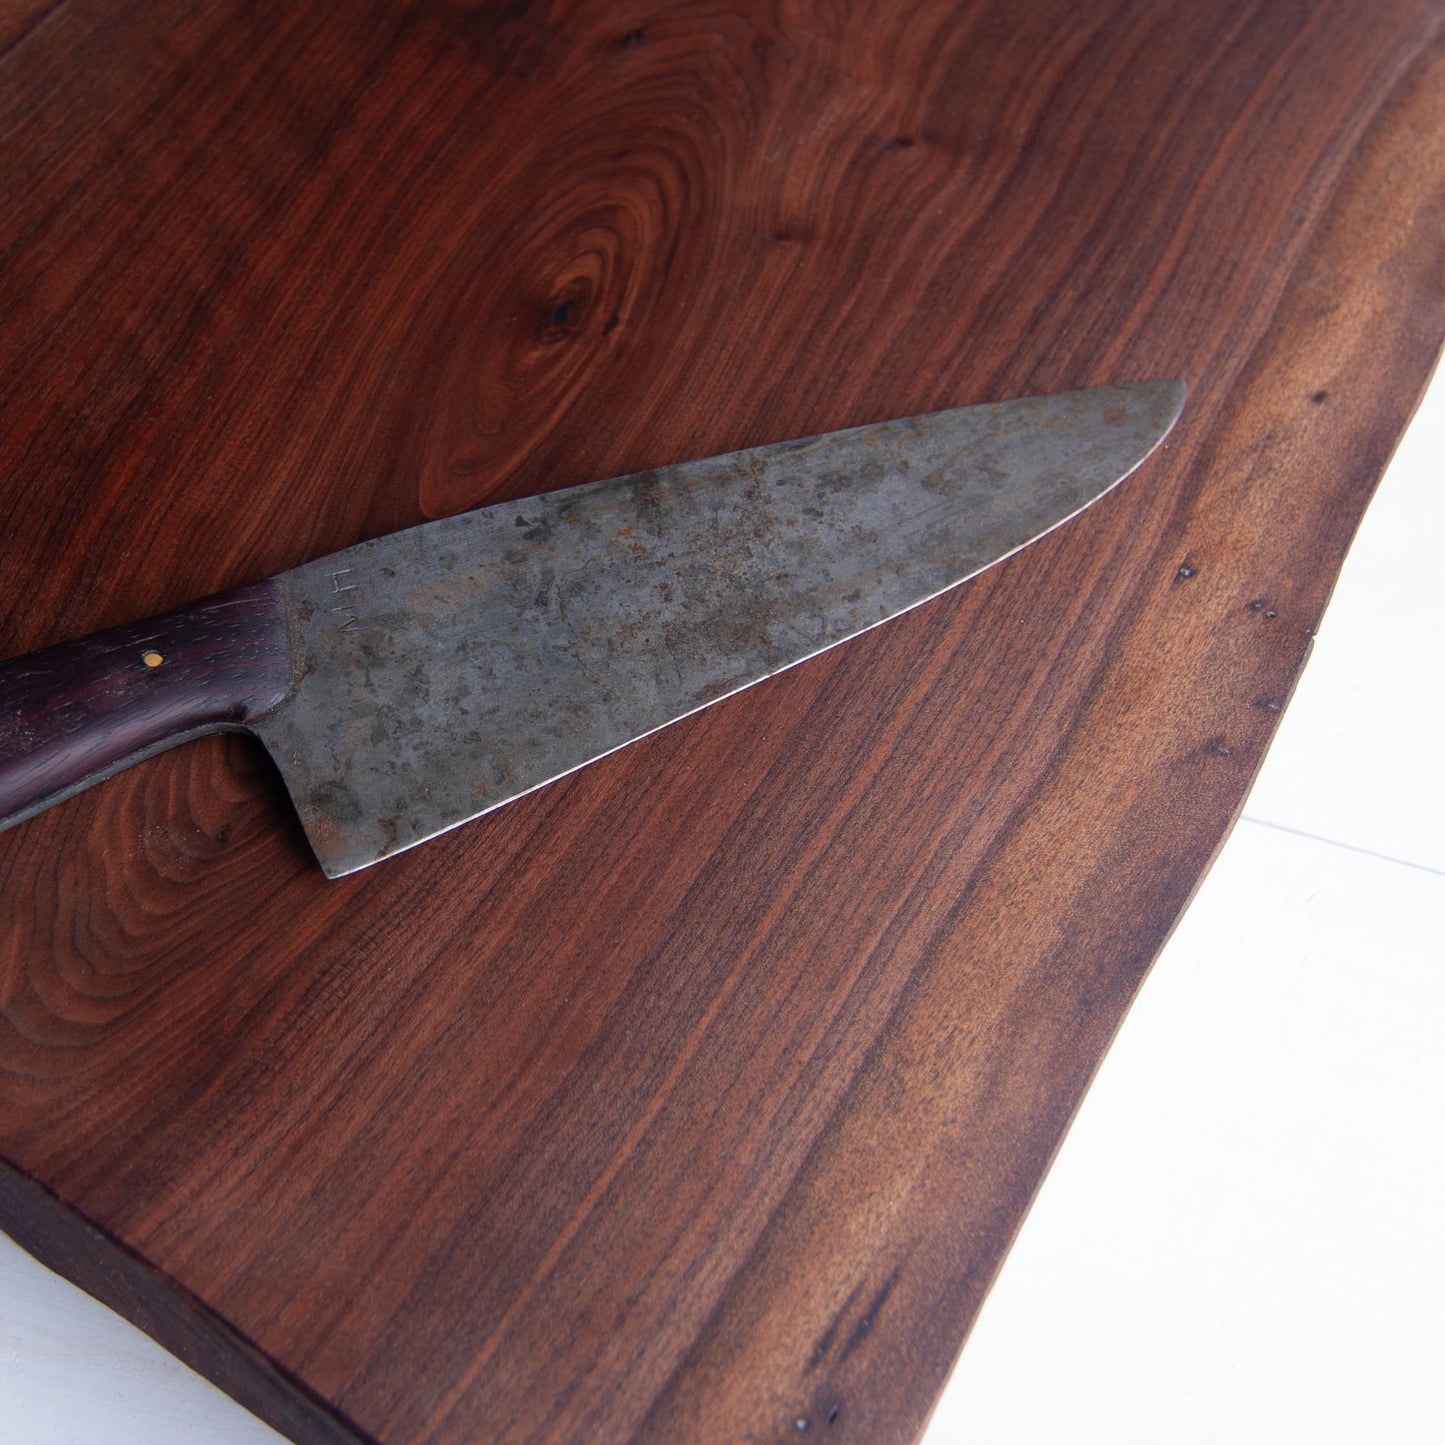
<point x="1241" y="1239"/>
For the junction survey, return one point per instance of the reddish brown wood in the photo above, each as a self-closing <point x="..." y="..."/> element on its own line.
<point x="76" y="712"/>
<point x="75" y="1248"/>
<point x="701" y="1092"/>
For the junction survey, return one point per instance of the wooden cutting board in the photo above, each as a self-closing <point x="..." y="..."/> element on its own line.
<point x="698" y="1096"/>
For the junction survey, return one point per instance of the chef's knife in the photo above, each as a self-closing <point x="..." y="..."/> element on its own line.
<point x="408" y="684"/>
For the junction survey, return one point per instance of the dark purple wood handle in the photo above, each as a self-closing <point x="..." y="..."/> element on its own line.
<point x="78" y="712"/>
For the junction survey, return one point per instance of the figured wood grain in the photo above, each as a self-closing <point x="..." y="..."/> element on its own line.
<point x="700" y="1094"/>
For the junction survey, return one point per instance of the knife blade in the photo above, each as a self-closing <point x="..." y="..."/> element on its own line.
<point x="411" y="683"/>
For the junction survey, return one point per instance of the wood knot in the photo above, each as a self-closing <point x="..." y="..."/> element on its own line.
<point x="563" y="314"/>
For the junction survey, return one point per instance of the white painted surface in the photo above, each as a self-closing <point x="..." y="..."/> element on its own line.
<point x="1240" y="1241"/>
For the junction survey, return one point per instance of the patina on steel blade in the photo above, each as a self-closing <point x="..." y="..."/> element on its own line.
<point x="450" y="668"/>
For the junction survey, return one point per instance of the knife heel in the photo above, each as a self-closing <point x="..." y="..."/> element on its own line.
<point x="81" y="711"/>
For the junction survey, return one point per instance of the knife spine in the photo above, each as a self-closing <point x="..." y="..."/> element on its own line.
<point x="76" y="713"/>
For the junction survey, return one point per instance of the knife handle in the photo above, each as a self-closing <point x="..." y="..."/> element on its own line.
<point x="78" y="712"/>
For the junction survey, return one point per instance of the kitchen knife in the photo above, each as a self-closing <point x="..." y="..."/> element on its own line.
<point x="410" y="683"/>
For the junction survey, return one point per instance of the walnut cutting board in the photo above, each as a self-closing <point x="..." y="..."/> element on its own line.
<point x="699" y="1094"/>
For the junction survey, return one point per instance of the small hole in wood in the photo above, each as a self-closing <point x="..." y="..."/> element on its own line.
<point x="152" y="659"/>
